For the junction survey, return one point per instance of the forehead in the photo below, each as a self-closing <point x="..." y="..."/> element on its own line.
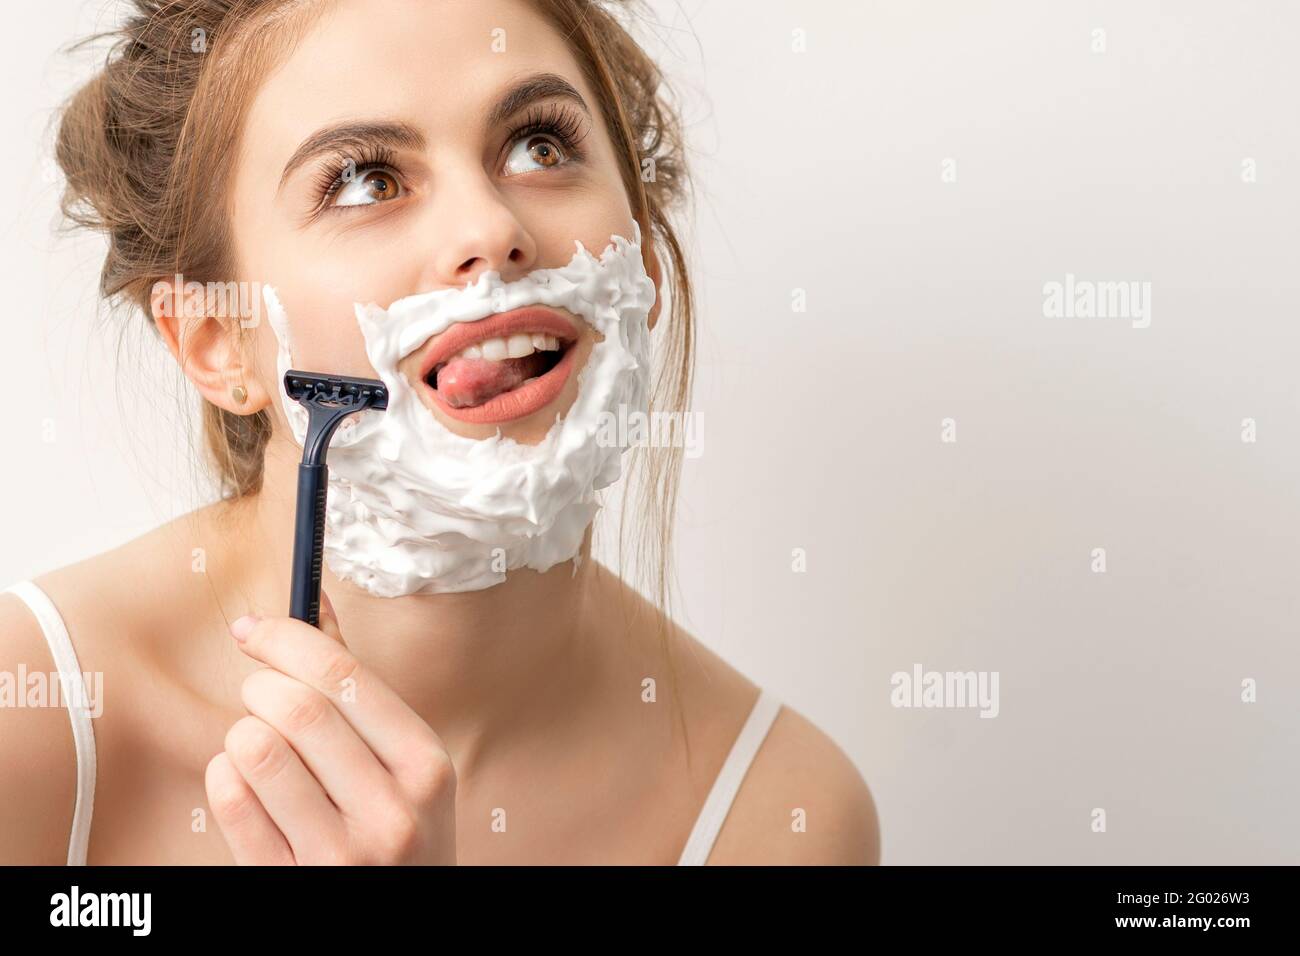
<point x="437" y="64"/>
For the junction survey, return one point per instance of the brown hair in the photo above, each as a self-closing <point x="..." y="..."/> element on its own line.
<point x="149" y="143"/>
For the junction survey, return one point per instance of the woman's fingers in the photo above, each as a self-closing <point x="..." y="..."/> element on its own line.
<point x="402" y="741"/>
<point x="289" y="794"/>
<point x="329" y="620"/>
<point x="352" y="776"/>
<point x="248" y="829"/>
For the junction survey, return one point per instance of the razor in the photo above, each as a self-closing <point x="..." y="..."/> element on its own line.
<point x="328" y="399"/>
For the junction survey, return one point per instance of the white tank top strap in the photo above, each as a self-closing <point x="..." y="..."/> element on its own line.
<point x="718" y="803"/>
<point x="75" y="698"/>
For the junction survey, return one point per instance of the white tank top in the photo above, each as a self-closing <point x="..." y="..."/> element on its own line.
<point x="696" y="851"/>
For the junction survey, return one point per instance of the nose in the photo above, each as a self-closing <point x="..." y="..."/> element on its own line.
<point x="477" y="232"/>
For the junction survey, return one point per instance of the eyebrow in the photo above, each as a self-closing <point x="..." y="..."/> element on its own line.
<point x="357" y="134"/>
<point x="537" y="86"/>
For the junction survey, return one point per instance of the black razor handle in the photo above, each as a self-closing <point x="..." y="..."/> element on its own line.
<point x="328" y="400"/>
<point x="309" y="542"/>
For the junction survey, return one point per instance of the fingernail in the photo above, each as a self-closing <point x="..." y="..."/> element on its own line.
<point x="239" y="629"/>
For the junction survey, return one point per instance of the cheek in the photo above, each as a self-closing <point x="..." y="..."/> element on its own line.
<point x="592" y="219"/>
<point x="325" y="335"/>
<point x="325" y="338"/>
<point x="318" y="282"/>
<point x="319" y="296"/>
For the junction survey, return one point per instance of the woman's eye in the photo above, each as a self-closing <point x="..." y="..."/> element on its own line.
<point x="540" y="150"/>
<point x="367" y="188"/>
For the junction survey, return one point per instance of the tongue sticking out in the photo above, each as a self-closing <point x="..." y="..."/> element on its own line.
<point x="465" y="382"/>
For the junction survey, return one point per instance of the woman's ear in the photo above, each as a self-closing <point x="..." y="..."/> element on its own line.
<point x="206" y="347"/>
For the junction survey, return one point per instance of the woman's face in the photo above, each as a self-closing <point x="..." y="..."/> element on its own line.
<point x="377" y="162"/>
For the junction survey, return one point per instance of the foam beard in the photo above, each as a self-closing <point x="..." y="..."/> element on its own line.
<point x="413" y="507"/>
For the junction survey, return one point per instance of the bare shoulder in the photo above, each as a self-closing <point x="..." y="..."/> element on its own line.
<point x="803" y="802"/>
<point x="37" y="755"/>
<point x="101" y="600"/>
<point x="114" y="602"/>
<point x="96" y="598"/>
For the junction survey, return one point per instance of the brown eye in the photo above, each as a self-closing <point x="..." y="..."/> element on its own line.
<point x="539" y="150"/>
<point x="544" y="151"/>
<point x="368" y="188"/>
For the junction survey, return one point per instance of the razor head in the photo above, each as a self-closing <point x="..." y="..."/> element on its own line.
<point x="335" y="391"/>
<point x="328" y="400"/>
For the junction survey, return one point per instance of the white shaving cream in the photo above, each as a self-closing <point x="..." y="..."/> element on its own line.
<point x="415" y="508"/>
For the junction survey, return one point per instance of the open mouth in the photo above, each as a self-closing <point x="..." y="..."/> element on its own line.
<point x="503" y="367"/>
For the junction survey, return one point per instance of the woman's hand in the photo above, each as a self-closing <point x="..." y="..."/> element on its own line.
<point x="330" y="766"/>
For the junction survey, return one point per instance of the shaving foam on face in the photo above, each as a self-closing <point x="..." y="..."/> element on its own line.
<point x="415" y="508"/>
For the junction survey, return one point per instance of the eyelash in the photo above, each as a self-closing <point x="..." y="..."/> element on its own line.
<point x="556" y="121"/>
<point x="330" y="179"/>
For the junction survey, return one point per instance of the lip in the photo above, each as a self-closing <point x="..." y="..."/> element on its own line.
<point x="530" y="397"/>
<point x="461" y="335"/>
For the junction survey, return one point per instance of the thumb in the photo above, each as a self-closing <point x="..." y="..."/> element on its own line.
<point x="329" y="620"/>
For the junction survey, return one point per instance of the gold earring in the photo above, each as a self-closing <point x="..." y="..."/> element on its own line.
<point x="239" y="394"/>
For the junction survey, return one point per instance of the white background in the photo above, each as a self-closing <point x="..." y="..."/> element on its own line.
<point x="821" y="171"/>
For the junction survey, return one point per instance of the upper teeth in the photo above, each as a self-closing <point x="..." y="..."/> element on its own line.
<point x="516" y="346"/>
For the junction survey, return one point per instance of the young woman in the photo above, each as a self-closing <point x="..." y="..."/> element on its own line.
<point x="367" y="151"/>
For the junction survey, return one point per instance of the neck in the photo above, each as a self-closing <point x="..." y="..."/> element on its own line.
<point x="472" y="664"/>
